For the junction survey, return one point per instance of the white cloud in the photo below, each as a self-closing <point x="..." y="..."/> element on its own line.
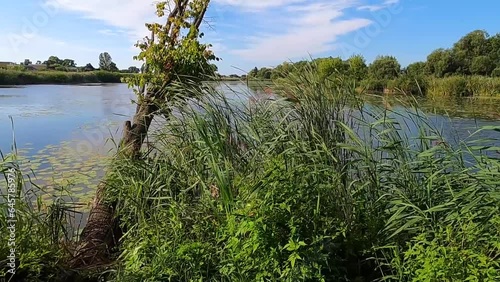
<point x="128" y="15"/>
<point x="258" y="4"/>
<point x="311" y="29"/>
<point x="383" y="5"/>
<point x="296" y="28"/>
<point x="110" y="32"/>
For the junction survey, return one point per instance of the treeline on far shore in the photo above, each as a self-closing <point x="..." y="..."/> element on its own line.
<point x="63" y="71"/>
<point x="18" y="77"/>
<point x="470" y="68"/>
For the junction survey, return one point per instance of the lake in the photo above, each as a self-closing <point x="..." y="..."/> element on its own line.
<point x="66" y="133"/>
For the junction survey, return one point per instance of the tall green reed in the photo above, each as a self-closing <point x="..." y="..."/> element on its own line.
<point x="307" y="186"/>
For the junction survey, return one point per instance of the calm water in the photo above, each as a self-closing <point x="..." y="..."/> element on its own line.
<point x="64" y="132"/>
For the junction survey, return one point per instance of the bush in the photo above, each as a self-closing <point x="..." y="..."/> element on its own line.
<point x="461" y="252"/>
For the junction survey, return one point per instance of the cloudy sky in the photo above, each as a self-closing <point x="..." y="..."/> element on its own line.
<point x="245" y="33"/>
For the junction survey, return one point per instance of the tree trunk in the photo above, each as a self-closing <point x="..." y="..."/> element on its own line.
<point x="102" y="231"/>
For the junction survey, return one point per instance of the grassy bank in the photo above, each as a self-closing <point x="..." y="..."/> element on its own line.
<point x="279" y="191"/>
<point x="432" y="87"/>
<point x="15" y="77"/>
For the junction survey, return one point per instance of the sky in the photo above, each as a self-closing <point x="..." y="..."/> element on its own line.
<point x="245" y="33"/>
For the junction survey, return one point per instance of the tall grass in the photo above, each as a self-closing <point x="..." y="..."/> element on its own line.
<point x="312" y="186"/>
<point x="433" y="87"/>
<point x="463" y="86"/>
<point x="18" y="77"/>
<point x="311" y="190"/>
<point x="44" y="231"/>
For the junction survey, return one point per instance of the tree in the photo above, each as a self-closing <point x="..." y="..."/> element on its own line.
<point x="494" y="43"/>
<point x="384" y="67"/>
<point x="105" y="61"/>
<point x="282" y="70"/>
<point x="88" y="67"/>
<point x="254" y="72"/>
<point x="38" y="62"/>
<point x="357" y="67"/>
<point x="134" y="69"/>
<point x="53" y="62"/>
<point x="27" y="62"/>
<point x="441" y="62"/>
<point x="69" y="63"/>
<point x="416" y="69"/>
<point x="482" y="65"/>
<point x="330" y="66"/>
<point x="113" y="67"/>
<point x="472" y="45"/>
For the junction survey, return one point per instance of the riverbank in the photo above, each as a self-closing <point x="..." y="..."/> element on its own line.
<point x="16" y="77"/>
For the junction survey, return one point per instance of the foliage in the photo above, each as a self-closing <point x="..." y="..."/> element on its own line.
<point x="357" y="67"/>
<point x="482" y="65"/>
<point x="384" y="67"/>
<point x="134" y="69"/>
<point x="331" y="66"/>
<point x="89" y="67"/>
<point x="318" y="189"/>
<point x="54" y="62"/>
<point x="176" y="54"/>
<point x="416" y="69"/>
<point x="462" y="252"/>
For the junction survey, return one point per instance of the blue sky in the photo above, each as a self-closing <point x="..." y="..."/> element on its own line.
<point x="245" y="33"/>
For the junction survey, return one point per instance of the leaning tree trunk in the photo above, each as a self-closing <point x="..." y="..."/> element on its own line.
<point x="102" y="231"/>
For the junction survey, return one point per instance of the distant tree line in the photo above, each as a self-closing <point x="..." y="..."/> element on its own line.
<point x="477" y="53"/>
<point x="54" y="63"/>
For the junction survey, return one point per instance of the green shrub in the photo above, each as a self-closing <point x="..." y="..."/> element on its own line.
<point x="463" y="252"/>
